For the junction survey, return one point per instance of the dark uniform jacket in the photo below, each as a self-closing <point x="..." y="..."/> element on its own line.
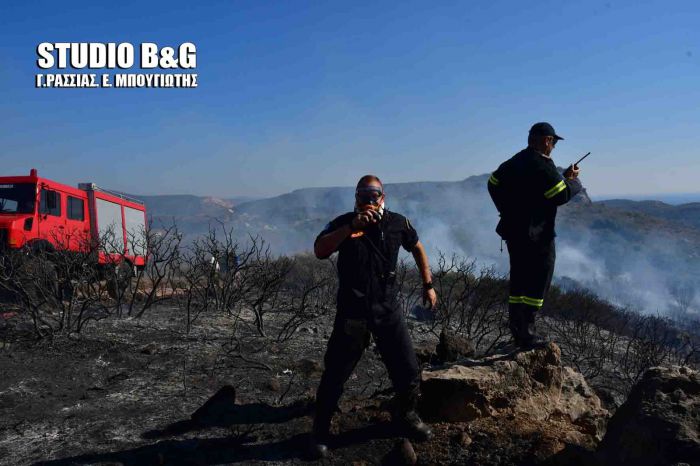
<point x="527" y="189"/>
<point x="367" y="264"/>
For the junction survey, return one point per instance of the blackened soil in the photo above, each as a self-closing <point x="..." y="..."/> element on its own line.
<point x="124" y="391"/>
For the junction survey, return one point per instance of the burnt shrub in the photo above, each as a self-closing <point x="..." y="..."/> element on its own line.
<point x="58" y="291"/>
<point x="613" y="346"/>
<point x="310" y="291"/>
<point x="471" y="301"/>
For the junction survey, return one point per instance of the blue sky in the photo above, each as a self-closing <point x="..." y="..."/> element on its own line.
<point x="298" y="94"/>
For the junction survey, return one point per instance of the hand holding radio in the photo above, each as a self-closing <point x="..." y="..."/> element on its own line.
<point x="365" y="218"/>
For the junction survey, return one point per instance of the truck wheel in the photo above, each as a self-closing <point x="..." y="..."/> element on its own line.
<point x="119" y="279"/>
<point x="8" y="295"/>
<point x="42" y="278"/>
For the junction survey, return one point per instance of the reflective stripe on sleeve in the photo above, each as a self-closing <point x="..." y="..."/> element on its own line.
<point x="493" y="180"/>
<point x="556" y="189"/>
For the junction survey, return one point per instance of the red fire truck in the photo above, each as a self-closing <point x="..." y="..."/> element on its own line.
<point x="41" y="214"/>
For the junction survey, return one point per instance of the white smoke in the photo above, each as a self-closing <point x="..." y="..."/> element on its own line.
<point x="620" y="262"/>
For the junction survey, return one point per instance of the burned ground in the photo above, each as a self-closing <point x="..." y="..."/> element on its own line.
<point x="90" y="377"/>
<point x="124" y="392"/>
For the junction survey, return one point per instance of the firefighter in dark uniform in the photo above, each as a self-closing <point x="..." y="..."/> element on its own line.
<point x="368" y="242"/>
<point x="526" y="191"/>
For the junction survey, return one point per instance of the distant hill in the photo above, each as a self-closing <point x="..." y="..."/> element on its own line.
<point x="673" y="199"/>
<point x="684" y="214"/>
<point x="189" y="206"/>
<point x="627" y="251"/>
<point x="191" y="213"/>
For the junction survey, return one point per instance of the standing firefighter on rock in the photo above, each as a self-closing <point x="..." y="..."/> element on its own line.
<point x="368" y="242"/>
<point x="527" y="190"/>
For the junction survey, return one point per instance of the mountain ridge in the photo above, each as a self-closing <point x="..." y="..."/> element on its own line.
<point x="627" y="252"/>
<point x="686" y="214"/>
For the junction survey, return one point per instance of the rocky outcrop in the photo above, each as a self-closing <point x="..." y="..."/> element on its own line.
<point x="452" y="347"/>
<point x="659" y="423"/>
<point x="529" y="390"/>
<point x="401" y="455"/>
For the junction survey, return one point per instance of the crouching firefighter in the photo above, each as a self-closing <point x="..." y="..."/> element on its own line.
<point x="368" y="242"/>
<point x="526" y="190"/>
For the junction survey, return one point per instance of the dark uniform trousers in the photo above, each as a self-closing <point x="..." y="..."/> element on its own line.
<point x="527" y="189"/>
<point x="531" y="269"/>
<point x="349" y="339"/>
<point x="367" y="307"/>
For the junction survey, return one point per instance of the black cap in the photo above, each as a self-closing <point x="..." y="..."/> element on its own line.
<point x="544" y="129"/>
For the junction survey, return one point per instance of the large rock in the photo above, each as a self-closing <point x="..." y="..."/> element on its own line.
<point x="659" y="423"/>
<point x="452" y="347"/>
<point x="531" y="387"/>
<point x="402" y="454"/>
<point x="425" y="354"/>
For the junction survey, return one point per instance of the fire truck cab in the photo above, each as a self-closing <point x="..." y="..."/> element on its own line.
<point x="40" y="213"/>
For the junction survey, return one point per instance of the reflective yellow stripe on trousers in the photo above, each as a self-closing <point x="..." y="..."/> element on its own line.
<point x="535" y="302"/>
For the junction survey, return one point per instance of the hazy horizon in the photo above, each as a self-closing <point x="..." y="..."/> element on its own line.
<point x="299" y="94"/>
<point x="667" y="197"/>
<point x="673" y="198"/>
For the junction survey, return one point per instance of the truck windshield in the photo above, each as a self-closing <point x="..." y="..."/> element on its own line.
<point x="17" y="198"/>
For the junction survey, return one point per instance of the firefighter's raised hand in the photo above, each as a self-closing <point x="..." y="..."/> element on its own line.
<point x="362" y="220"/>
<point x="429" y="298"/>
<point x="571" y="172"/>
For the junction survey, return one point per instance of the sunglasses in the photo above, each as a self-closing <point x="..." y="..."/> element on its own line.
<point x="369" y="195"/>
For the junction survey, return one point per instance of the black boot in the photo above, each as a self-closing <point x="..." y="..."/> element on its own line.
<point x="515" y="314"/>
<point x="414" y="427"/>
<point x="406" y="417"/>
<point x="318" y="441"/>
<point x="529" y="337"/>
